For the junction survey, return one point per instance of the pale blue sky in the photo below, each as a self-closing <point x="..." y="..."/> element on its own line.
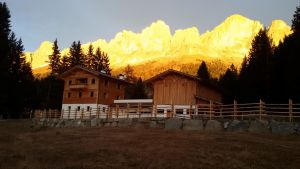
<point x="88" y="20"/>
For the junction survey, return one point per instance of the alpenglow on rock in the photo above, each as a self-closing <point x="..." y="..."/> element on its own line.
<point x="156" y="47"/>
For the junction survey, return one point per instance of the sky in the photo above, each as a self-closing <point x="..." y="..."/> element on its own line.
<point x="36" y="21"/>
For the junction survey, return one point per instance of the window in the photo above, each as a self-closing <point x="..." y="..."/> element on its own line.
<point x="119" y="86"/>
<point x="78" y="108"/>
<point x="118" y="97"/>
<point x="106" y="83"/>
<point x="92" y="94"/>
<point x="80" y="94"/>
<point x="69" y="94"/>
<point x="69" y="108"/>
<point x="88" y="108"/>
<point x="70" y="82"/>
<point x="105" y="95"/>
<point x="82" y="81"/>
<point x="93" y="81"/>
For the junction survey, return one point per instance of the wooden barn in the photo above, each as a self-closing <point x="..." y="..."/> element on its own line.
<point x="85" y="89"/>
<point x="181" y="90"/>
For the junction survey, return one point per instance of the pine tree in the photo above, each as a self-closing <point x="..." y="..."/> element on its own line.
<point x="296" y="20"/>
<point x="16" y="74"/>
<point x="54" y="59"/>
<point x="105" y="62"/>
<point x="255" y="72"/>
<point x="76" y="55"/>
<point x="97" y="61"/>
<point x="203" y="73"/>
<point x="90" y="57"/>
<point x="228" y="82"/>
<point x="65" y="64"/>
<point x="139" y="90"/>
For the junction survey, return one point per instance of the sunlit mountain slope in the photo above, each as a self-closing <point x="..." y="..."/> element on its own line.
<point x="155" y="49"/>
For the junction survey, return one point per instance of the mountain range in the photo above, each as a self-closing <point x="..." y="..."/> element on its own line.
<point x="156" y="49"/>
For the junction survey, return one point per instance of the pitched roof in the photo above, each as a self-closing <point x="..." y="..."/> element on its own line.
<point x="96" y="73"/>
<point x="171" y="71"/>
<point x="185" y="75"/>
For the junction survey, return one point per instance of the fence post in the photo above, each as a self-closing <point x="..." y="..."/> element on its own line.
<point x="155" y="110"/>
<point x="210" y="109"/>
<point x="117" y="110"/>
<point x="234" y="109"/>
<point x="260" y="108"/>
<point x="290" y="110"/>
<point x="69" y="112"/>
<point x="62" y="113"/>
<point x="139" y="110"/>
<point x="76" y="113"/>
<point x="190" y="111"/>
<point x="173" y="111"/>
<point x="127" y="110"/>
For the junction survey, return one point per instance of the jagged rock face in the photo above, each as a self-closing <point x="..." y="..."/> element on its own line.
<point x="156" y="47"/>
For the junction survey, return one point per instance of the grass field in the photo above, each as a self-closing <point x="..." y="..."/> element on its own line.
<point x="23" y="147"/>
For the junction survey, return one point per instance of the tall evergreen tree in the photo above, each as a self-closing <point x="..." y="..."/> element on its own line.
<point x="228" y="83"/>
<point x="202" y="72"/>
<point x="54" y="59"/>
<point x="90" y="57"/>
<point x="255" y="74"/>
<point x="105" y="62"/>
<point x="16" y="74"/>
<point x="296" y="20"/>
<point x="65" y="64"/>
<point x="97" y="61"/>
<point x="76" y="55"/>
<point x="139" y="90"/>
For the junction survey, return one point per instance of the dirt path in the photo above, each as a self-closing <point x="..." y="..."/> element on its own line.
<point x="87" y="148"/>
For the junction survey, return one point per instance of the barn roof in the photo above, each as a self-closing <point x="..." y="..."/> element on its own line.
<point x="182" y="74"/>
<point x="96" y="73"/>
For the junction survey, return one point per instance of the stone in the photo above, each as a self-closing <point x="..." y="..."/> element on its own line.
<point x="125" y="122"/>
<point x="106" y="124"/>
<point x="114" y="124"/>
<point x="192" y="125"/>
<point x="282" y="127"/>
<point x="153" y="124"/>
<point x="94" y="122"/>
<point x="213" y="126"/>
<point x="226" y="124"/>
<point x="238" y="126"/>
<point x="259" y="126"/>
<point x="60" y="124"/>
<point x="173" y="123"/>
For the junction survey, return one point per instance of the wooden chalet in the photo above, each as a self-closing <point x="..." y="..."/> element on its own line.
<point x="182" y="90"/>
<point x="85" y="89"/>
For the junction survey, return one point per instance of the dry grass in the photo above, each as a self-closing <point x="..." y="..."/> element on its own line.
<point x="23" y="147"/>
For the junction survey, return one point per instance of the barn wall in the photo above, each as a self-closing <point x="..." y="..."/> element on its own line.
<point x="208" y="93"/>
<point x="174" y="89"/>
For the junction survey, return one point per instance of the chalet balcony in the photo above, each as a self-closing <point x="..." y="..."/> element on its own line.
<point x="78" y="86"/>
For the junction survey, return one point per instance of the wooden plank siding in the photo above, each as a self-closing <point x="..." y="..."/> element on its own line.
<point x="178" y="88"/>
<point x="174" y="89"/>
<point x="105" y="88"/>
<point x="85" y="98"/>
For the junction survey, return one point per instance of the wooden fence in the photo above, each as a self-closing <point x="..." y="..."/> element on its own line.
<point x="288" y="112"/>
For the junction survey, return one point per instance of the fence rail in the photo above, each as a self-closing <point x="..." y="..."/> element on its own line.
<point x="259" y="110"/>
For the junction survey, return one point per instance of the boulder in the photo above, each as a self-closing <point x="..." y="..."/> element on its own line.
<point x="213" y="126"/>
<point x="282" y="127"/>
<point x="94" y="122"/>
<point x="192" y="125"/>
<point x="259" y="126"/>
<point x="114" y="124"/>
<point x="153" y="124"/>
<point x="238" y="126"/>
<point x="126" y="122"/>
<point x="173" y="123"/>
